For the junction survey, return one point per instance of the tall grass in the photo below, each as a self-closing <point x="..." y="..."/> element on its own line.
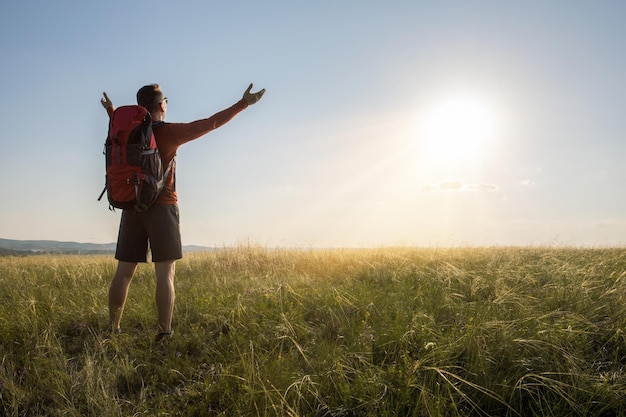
<point x="380" y="332"/>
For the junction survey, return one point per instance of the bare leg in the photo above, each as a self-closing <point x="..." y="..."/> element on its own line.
<point x="165" y="294"/>
<point x="118" y="291"/>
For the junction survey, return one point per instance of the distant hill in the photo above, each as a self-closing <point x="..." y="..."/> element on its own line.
<point x="31" y="247"/>
<point x="10" y="252"/>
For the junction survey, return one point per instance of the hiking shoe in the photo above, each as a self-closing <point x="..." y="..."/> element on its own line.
<point x="110" y="331"/>
<point x="163" y="336"/>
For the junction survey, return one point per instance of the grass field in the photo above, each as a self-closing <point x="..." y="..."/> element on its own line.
<point x="377" y="332"/>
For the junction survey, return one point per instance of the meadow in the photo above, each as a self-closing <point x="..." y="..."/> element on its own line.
<point x="371" y="332"/>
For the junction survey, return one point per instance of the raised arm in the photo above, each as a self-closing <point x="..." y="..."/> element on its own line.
<point x="185" y="132"/>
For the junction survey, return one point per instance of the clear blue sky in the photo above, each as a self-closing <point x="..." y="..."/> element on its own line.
<point x="384" y="122"/>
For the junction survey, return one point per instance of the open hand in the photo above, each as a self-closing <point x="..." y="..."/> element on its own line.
<point x="250" y="98"/>
<point x="106" y="101"/>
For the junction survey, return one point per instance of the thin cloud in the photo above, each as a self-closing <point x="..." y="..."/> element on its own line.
<point x="451" y="185"/>
<point x="483" y="187"/>
<point x="459" y="185"/>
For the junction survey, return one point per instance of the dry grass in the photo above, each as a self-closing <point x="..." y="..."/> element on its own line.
<point x="380" y="332"/>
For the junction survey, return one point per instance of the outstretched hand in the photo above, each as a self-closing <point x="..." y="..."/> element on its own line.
<point x="106" y="101"/>
<point x="251" y="98"/>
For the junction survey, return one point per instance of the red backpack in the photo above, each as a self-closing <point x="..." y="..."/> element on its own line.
<point x="134" y="170"/>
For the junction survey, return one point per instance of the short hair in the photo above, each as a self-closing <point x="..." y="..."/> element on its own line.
<point x="150" y="96"/>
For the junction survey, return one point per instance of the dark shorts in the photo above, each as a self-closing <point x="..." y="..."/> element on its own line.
<point x="159" y="226"/>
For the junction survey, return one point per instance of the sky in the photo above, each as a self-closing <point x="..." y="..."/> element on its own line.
<point x="384" y="123"/>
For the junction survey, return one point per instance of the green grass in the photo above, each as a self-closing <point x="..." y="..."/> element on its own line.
<point x="381" y="332"/>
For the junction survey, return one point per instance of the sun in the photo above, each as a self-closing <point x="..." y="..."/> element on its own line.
<point x="457" y="131"/>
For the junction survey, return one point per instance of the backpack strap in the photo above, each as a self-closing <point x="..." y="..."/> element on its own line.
<point x="100" y="198"/>
<point x="138" y="207"/>
<point x="102" y="193"/>
<point x="168" y="171"/>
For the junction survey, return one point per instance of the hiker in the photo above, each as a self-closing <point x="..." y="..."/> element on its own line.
<point x="159" y="225"/>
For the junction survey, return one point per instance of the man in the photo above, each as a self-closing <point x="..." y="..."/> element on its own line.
<point x="159" y="225"/>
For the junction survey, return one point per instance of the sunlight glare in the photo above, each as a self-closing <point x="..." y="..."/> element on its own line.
<point x="457" y="131"/>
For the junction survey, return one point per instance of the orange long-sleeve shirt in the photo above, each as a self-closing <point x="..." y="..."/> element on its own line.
<point x="170" y="136"/>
